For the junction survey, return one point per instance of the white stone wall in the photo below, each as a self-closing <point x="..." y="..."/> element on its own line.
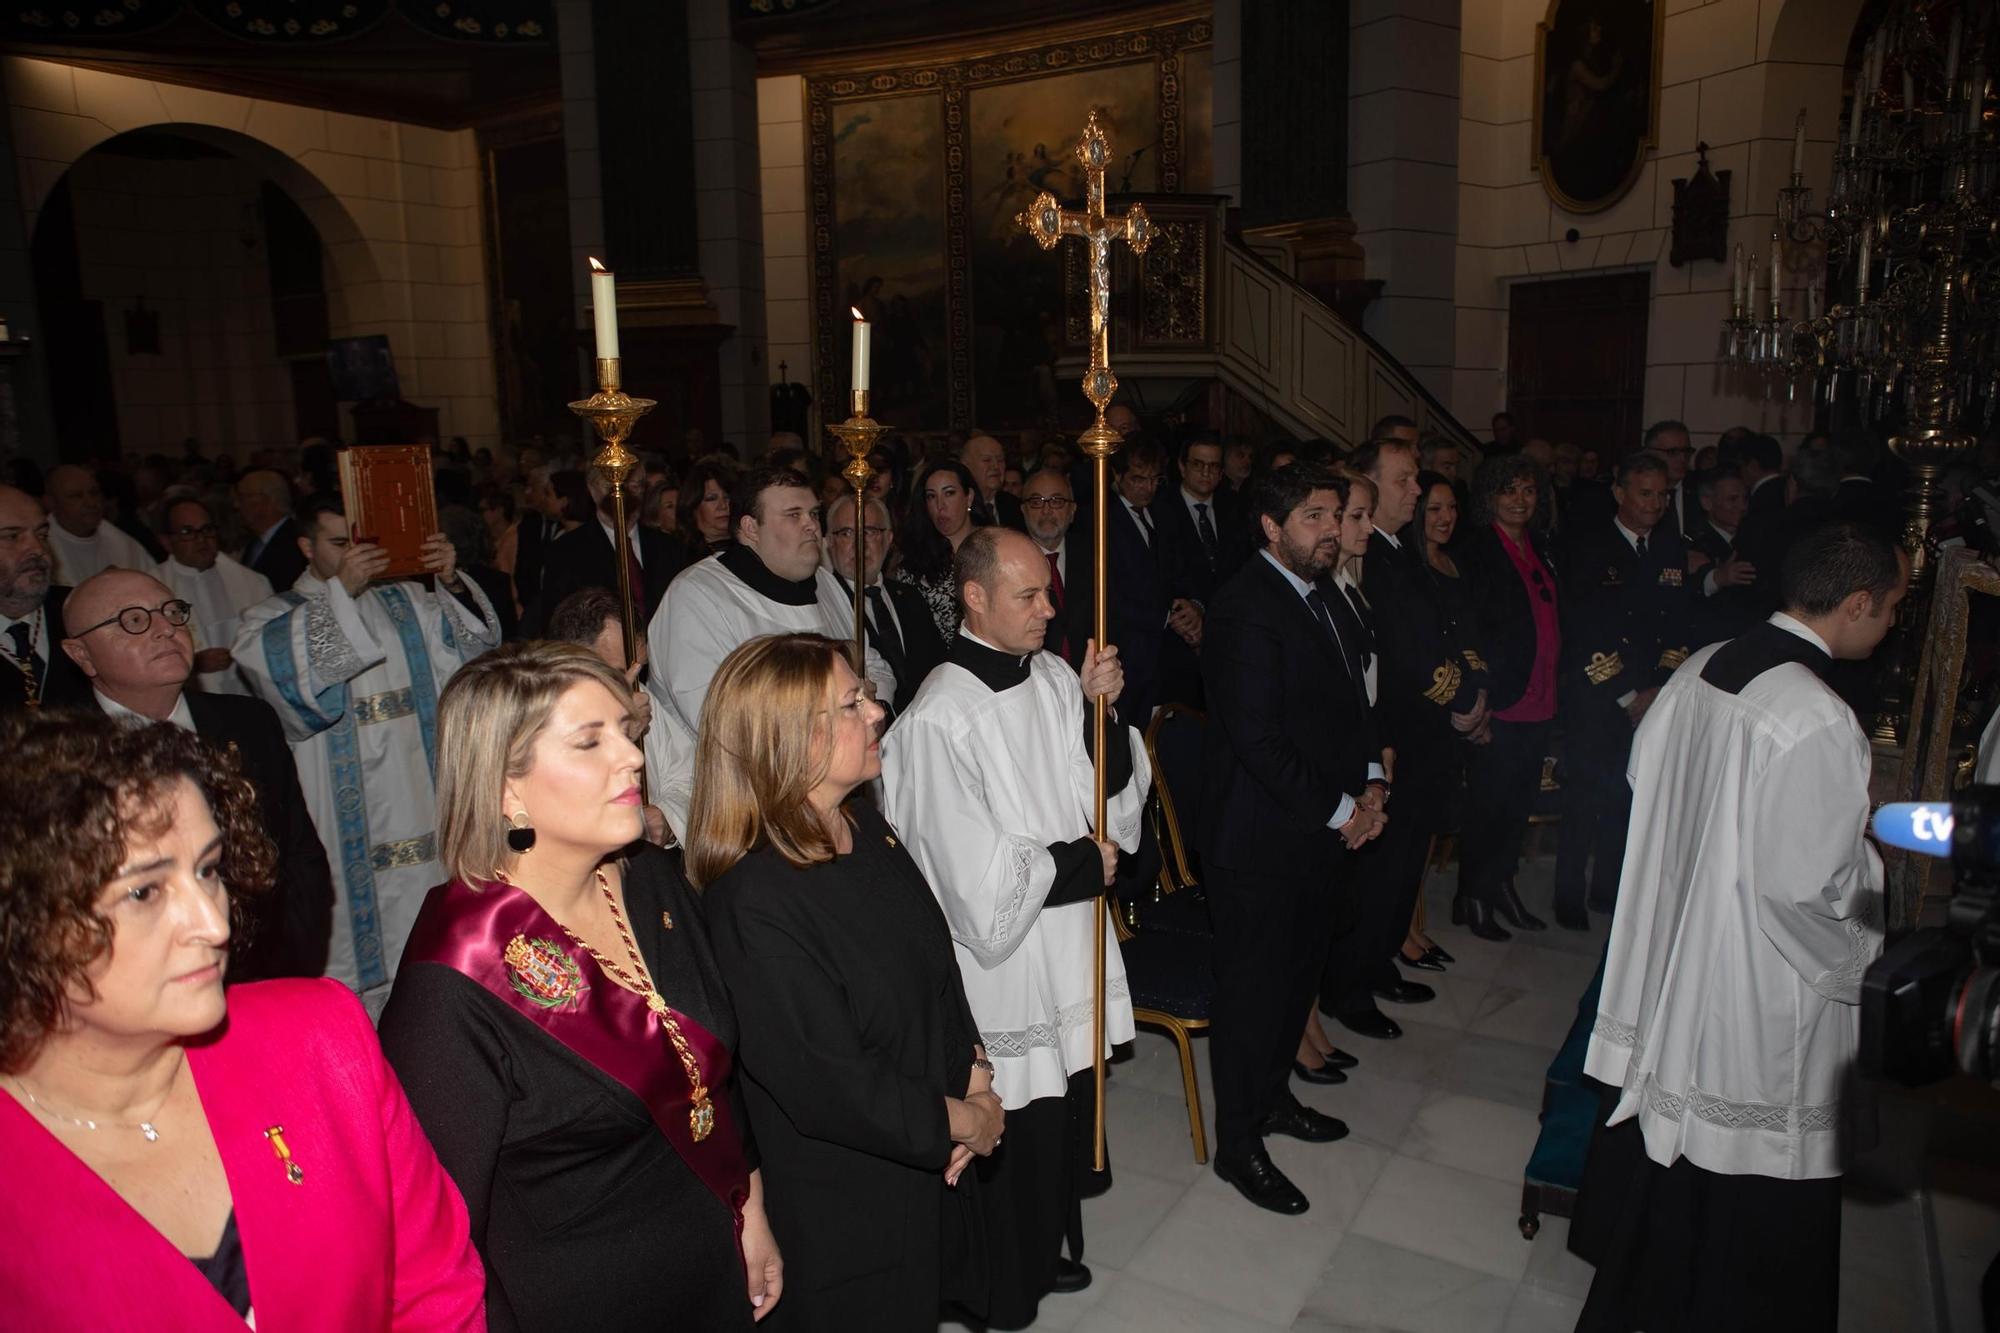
<point x="396" y="205"/>
<point x="781" y="138"/>
<point x="1733" y="74"/>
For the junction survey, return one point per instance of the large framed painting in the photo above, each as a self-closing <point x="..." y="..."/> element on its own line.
<point x="1597" y="98"/>
<point x="915" y="174"/>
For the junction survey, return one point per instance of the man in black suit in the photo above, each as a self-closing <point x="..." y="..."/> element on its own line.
<point x="33" y="674"/>
<point x="1761" y="461"/>
<point x="1200" y="519"/>
<point x="1152" y="617"/>
<point x="1286" y="799"/>
<point x="587" y="557"/>
<point x="539" y="527"/>
<point x="899" y="626"/>
<point x="1670" y="441"/>
<point x="1427" y="700"/>
<point x="1626" y="626"/>
<point x="264" y="503"/>
<point x="1050" y="507"/>
<point x="986" y="459"/>
<point x="143" y="678"/>
<point x="1859" y="497"/>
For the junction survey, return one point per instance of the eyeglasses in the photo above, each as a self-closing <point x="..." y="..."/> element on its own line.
<point x="139" y="619"/>
<point x="1197" y="465"/>
<point x="846" y="534"/>
<point x="1053" y="503"/>
<point x="205" y="530"/>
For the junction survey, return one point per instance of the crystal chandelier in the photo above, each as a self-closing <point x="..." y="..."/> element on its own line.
<point x="1909" y="326"/>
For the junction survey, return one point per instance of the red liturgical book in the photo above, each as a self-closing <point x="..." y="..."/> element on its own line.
<point x="387" y="491"/>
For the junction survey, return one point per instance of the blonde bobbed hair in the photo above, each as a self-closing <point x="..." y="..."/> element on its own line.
<point x="489" y="718"/>
<point x="761" y="751"/>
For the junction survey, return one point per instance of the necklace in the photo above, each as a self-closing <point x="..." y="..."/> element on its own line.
<point x="26" y="666"/>
<point x="145" y="1127"/>
<point x="701" y="1116"/>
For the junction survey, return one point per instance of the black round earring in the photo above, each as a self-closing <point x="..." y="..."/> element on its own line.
<point x="520" y="833"/>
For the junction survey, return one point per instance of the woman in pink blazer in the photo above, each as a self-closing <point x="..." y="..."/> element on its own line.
<point x="176" y="1160"/>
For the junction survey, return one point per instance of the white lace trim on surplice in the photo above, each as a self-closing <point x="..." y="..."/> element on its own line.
<point x="1019" y="1041"/>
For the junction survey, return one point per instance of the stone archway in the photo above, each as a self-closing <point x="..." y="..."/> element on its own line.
<point x="397" y="207"/>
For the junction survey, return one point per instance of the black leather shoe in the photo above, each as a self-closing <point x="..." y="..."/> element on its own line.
<point x="1340" y="1059"/>
<point x="1422" y="963"/>
<point x="1259" y="1180"/>
<point x="1070" y="1276"/>
<point x="1302" y="1122"/>
<point x="1370" y="1023"/>
<point x="1434" y="952"/>
<point x="1406" y="992"/>
<point x="1515" y="913"/>
<point x="1476" y="916"/>
<point x="1571" y="919"/>
<point x="1326" y="1073"/>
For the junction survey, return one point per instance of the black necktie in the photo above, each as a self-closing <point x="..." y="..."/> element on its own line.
<point x="24" y="653"/>
<point x="887" y="641"/>
<point x="1206" y="527"/>
<point x="1366" y="618"/>
<point x="1145" y="524"/>
<point x="1642" y="548"/>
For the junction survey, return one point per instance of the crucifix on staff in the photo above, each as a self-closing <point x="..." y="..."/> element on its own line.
<point x="1049" y="222"/>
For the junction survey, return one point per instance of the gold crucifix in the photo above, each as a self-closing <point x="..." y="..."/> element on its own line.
<point x="1048" y="222"/>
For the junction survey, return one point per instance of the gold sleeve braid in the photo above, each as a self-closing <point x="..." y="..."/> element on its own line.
<point x="1444" y="683"/>
<point x="1602" y="667"/>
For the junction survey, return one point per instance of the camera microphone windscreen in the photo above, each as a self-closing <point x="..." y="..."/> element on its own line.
<point x="1916" y="826"/>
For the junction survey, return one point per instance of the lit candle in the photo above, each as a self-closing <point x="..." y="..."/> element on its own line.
<point x="1736" y="285"/>
<point x="1799" y="145"/>
<point x="860" y="384"/>
<point x="1951" y="57"/>
<point x="604" y="310"/>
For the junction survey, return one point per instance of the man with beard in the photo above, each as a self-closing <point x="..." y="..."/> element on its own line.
<point x="36" y="675"/>
<point x="130" y="635"/>
<point x="769" y="582"/>
<point x="1290" y="792"/>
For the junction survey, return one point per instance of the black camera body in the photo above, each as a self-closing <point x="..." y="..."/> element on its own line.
<point x="1930" y="1005"/>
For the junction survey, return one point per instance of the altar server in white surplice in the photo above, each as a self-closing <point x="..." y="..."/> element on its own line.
<point x="988" y="777"/>
<point x="83" y="540"/>
<point x="354" y="668"/>
<point x="218" y="588"/>
<point x="769" y="582"/>
<point x="1749" y="907"/>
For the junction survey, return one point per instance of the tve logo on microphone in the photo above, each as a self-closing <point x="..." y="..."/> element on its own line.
<point x="1916" y="826"/>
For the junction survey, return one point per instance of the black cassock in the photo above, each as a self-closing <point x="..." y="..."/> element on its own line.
<point x="854" y="1031"/>
<point x="585" y="1214"/>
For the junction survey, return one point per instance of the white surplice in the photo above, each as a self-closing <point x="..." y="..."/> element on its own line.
<point x="220" y="595"/>
<point x="1748" y="910"/>
<point x="979" y="783"/>
<point x="707" y="614"/>
<point x="110" y="547"/>
<point x="356" y="682"/>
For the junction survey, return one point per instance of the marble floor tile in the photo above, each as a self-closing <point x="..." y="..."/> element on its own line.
<point x="1458" y="1000"/>
<point x="1217" y="1247"/>
<point x="1502" y="1071"/>
<point x="1552" y="1269"/>
<point x="1415" y="1056"/>
<point x="1487" y="1138"/>
<point x="1372" y="1285"/>
<point x="1132" y="1305"/>
<point x="1448" y="1214"/>
<point x="1559" y="971"/>
<point x="1376" y="1107"/>
<point x="1541" y="1312"/>
<point x="1535" y="1017"/>
<point x="1336" y="1177"/>
<point x="1146" y="1132"/>
<point x="1119" y="1221"/>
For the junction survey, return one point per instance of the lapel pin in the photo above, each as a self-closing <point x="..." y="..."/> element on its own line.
<point x="667" y="920"/>
<point x="293" y="1171"/>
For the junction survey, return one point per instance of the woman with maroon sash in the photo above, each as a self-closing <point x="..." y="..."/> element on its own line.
<point x="179" y="1156"/>
<point x="560" y="1025"/>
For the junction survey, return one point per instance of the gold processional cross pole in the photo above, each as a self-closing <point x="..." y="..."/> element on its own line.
<point x="1048" y="222"/>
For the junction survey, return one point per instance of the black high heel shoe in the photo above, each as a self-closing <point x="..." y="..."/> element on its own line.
<point x="1514" y="912"/>
<point x="1477" y="916"/>
<point x="1423" y="962"/>
<point x="1439" y="954"/>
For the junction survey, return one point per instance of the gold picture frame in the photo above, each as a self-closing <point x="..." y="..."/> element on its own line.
<point x="1588" y="144"/>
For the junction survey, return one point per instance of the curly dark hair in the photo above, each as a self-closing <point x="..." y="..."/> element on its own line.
<point x="73" y="787"/>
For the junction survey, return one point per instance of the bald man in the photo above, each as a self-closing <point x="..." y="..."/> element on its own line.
<point x="986" y="459"/>
<point x="82" y="540"/>
<point x="128" y="633"/>
<point x="34" y="674"/>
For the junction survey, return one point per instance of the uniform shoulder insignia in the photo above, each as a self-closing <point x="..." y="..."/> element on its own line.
<point x="1474" y="661"/>
<point x="1444" y="684"/>
<point x="1672" y="658"/>
<point x="1602" y="667"/>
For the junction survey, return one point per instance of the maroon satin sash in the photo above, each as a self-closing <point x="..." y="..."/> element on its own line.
<point x="469" y="929"/>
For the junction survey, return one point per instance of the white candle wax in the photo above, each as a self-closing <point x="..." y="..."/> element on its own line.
<point x="1750" y="302"/>
<point x="860" y="351"/>
<point x="1861" y="268"/>
<point x="604" y="310"/>
<point x="1776" y="260"/>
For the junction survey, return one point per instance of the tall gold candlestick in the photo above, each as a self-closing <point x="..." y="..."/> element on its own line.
<point x="857" y="435"/>
<point x="612" y="415"/>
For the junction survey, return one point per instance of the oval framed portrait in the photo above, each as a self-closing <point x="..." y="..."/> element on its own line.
<point x="1597" y="98"/>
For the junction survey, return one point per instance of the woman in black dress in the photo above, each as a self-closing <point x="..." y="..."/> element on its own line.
<point x="938" y="521"/>
<point x="560" y="1026"/>
<point x="863" y="1075"/>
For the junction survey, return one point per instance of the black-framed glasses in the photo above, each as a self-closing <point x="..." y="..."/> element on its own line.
<point x="139" y="619"/>
<point x="186" y="530"/>
<point x="872" y="531"/>
<point x="1053" y="503"/>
